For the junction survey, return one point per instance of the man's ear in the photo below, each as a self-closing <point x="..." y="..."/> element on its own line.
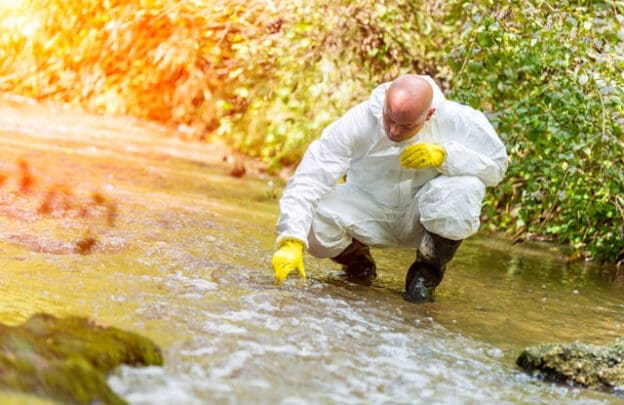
<point x="430" y="113"/>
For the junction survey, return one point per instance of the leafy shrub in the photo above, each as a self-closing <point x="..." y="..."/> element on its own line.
<point x="553" y="77"/>
<point x="304" y="75"/>
<point x="162" y="60"/>
<point x="269" y="76"/>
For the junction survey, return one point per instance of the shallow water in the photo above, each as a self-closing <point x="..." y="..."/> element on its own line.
<point x="152" y="235"/>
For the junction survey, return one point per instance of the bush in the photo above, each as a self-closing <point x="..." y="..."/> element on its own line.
<point x="304" y="75"/>
<point x="268" y="77"/>
<point x="553" y="77"/>
<point x="166" y="60"/>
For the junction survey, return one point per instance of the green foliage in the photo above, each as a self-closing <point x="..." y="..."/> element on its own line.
<point x="301" y="75"/>
<point x="553" y="76"/>
<point x="549" y="76"/>
<point x="269" y="76"/>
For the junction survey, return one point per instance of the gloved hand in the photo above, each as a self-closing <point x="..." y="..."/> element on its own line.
<point x="422" y="155"/>
<point x="287" y="258"/>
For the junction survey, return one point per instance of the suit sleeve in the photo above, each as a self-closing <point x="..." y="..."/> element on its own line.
<point x="325" y="162"/>
<point x="473" y="147"/>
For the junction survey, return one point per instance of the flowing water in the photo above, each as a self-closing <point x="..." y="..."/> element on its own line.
<point x="110" y="219"/>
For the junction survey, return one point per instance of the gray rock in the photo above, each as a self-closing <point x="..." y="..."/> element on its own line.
<point x="591" y="366"/>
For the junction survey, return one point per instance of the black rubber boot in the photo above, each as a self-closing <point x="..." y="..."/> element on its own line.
<point x="357" y="262"/>
<point x="427" y="271"/>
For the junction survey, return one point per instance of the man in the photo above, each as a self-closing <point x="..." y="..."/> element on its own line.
<point x="416" y="169"/>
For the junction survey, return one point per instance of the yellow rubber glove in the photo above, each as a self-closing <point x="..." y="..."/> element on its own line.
<point x="422" y="155"/>
<point x="287" y="258"/>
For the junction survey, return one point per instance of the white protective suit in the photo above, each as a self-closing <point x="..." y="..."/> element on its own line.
<point x="381" y="203"/>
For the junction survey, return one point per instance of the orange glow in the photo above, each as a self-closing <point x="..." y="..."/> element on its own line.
<point x="15" y="17"/>
<point x="161" y="60"/>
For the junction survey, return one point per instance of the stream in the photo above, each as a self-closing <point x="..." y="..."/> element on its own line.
<point x="117" y="220"/>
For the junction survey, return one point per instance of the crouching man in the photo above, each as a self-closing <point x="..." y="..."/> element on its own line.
<point x="416" y="166"/>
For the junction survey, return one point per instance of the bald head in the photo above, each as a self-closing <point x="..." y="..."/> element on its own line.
<point x="407" y="107"/>
<point x="411" y="95"/>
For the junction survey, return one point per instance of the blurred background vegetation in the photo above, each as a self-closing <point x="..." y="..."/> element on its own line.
<point x="267" y="76"/>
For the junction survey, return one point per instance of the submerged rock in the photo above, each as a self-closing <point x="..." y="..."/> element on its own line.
<point x="67" y="359"/>
<point x="597" y="367"/>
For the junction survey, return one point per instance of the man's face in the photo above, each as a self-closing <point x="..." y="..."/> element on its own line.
<point x="400" y="127"/>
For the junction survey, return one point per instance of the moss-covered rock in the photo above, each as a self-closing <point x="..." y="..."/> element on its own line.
<point x="67" y="359"/>
<point x="597" y="367"/>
